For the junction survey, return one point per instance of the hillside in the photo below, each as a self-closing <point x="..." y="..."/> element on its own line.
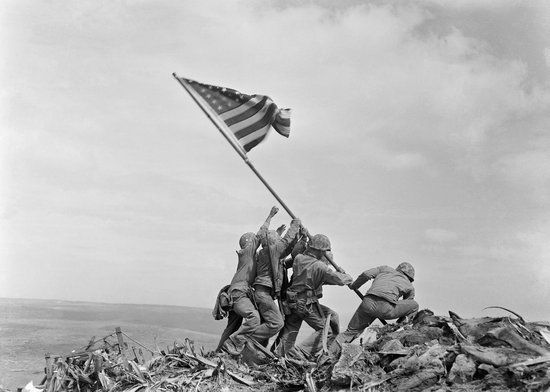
<point x="29" y="328"/>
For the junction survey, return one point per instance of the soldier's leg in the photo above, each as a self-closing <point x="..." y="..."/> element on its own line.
<point x="334" y="319"/>
<point x="403" y="309"/>
<point x="365" y="314"/>
<point x="243" y="307"/>
<point x="234" y="321"/>
<point x="289" y="333"/>
<point x="316" y="319"/>
<point x="272" y="320"/>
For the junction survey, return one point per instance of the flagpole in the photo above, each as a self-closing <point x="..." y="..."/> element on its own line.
<point x="242" y="153"/>
<point x="238" y="148"/>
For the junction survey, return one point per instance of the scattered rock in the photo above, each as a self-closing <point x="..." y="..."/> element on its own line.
<point x="463" y="370"/>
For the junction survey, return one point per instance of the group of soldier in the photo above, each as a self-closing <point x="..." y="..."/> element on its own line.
<point x="261" y="302"/>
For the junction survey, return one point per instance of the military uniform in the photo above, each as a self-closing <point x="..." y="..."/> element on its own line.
<point x="244" y="318"/>
<point x="268" y="282"/>
<point x="382" y="299"/>
<point x="309" y="275"/>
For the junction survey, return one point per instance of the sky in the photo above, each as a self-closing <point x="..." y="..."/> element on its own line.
<point x="419" y="132"/>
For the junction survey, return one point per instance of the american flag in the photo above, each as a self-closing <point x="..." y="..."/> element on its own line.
<point x="248" y="117"/>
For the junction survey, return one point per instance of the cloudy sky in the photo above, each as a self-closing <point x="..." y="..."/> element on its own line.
<point x="420" y="133"/>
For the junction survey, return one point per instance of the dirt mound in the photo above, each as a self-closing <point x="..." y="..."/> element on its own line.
<point x="431" y="353"/>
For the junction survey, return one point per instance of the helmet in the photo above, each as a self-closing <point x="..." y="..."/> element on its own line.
<point x="320" y="242"/>
<point x="271" y="237"/>
<point x="407" y="269"/>
<point x="246" y="238"/>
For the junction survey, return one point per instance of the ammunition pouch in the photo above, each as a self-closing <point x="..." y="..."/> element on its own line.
<point x="226" y="302"/>
<point x="301" y="303"/>
<point x="223" y="304"/>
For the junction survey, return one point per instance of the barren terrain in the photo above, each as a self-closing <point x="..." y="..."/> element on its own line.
<point x="30" y="328"/>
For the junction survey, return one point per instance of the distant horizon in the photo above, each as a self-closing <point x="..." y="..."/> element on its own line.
<point x="500" y="309"/>
<point x="103" y="303"/>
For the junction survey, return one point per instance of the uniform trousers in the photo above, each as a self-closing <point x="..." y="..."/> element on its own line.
<point x="315" y="315"/>
<point x="371" y="308"/>
<point x="272" y="320"/>
<point x="244" y="308"/>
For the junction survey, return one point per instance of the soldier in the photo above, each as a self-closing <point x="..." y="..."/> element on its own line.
<point x="244" y="312"/>
<point x="269" y="280"/>
<point x="310" y="273"/>
<point x="382" y="299"/>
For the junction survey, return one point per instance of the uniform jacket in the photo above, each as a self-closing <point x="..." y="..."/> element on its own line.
<point x="246" y="267"/>
<point x="388" y="283"/>
<point x="269" y="261"/>
<point x="310" y="274"/>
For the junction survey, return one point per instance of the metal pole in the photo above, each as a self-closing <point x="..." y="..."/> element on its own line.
<point x="251" y="166"/>
<point x="243" y="155"/>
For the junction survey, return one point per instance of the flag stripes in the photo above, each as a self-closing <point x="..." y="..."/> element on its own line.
<point x="248" y="117"/>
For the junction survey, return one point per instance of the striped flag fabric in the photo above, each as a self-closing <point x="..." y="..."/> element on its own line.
<point x="248" y="117"/>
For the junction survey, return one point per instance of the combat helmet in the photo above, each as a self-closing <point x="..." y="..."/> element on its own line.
<point x="246" y="238"/>
<point x="407" y="269"/>
<point x="320" y="242"/>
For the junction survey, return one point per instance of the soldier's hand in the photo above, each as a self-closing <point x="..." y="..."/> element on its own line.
<point x="274" y="210"/>
<point x="281" y="229"/>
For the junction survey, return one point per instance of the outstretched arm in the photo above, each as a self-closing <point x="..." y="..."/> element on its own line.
<point x="267" y="222"/>
<point x="368" y="275"/>
<point x="337" y="278"/>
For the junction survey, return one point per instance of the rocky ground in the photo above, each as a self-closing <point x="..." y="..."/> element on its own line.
<point x="430" y="353"/>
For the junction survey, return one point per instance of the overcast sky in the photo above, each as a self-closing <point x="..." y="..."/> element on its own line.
<point x="420" y="132"/>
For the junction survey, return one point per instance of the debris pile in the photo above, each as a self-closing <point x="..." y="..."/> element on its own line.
<point x="450" y="354"/>
<point x="430" y="353"/>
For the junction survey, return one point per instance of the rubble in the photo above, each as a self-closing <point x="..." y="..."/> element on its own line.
<point x="430" y="353"/>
